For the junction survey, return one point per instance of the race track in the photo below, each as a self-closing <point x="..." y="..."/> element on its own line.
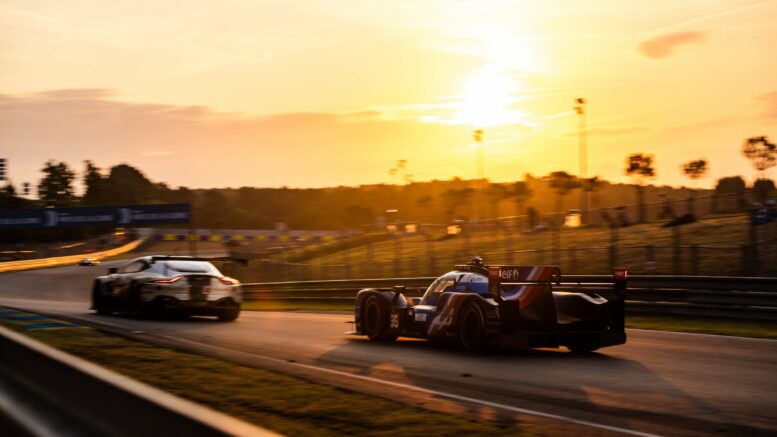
<point x="659" y="383"/>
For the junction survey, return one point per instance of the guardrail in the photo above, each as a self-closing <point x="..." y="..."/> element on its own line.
<point x="27" y="264"/>
<point x="753" y="298"/>
<point x="44" y="391"/>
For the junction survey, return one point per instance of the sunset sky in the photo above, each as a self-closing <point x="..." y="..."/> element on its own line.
<point x="321" y="93"/>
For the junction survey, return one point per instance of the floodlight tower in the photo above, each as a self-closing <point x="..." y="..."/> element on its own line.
<point x="582" y="133"/>
<point x="477" y="135"/>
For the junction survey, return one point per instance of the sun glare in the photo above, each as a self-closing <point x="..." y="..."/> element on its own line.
<point x="487" y="100"/>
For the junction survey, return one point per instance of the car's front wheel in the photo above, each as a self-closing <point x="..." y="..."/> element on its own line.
<point x="99" y="301"/>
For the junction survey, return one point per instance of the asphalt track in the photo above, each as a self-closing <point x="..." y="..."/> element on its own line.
<point x="658" y="383"/>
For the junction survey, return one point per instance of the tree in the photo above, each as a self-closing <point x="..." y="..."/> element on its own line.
<point x="764" y="188"/>
<point x="732" y="187"/>
<point x="594" y="185"/>
<point x="454" y="198"/>
<point x="495" y="194"/>
<point x="694" y="170"/>
<point x="639" y="167"/>
<point x="425" y="203"/>
<point x="467" y="197"/>
<point x="562" y="183"/>
<point x="56" y="187"/>
<point x="761" y="152"/>
<point x="128" y="185"/>
<point x="451" y="200"/>
<point x="521" y="193"/>
<point x="95" y="185"/>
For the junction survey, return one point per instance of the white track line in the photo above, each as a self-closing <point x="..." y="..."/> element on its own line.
<point x="422" y="390"/>
<point x="400" y="385"/>
<point x="699" y="334"/>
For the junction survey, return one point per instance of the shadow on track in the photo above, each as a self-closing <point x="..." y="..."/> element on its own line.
<point x="597" y="387"/>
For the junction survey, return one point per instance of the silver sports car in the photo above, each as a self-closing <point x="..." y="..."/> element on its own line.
<point x="160" y="285"/>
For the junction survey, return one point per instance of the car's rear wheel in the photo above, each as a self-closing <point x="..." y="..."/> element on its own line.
<point x="375" y="320"/>
<point x="472" y="328"/>
<point x="136" y="308"/>
<point x="229" y="315"/>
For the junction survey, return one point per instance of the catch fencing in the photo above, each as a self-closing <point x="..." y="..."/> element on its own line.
<point x="751" y="298"/>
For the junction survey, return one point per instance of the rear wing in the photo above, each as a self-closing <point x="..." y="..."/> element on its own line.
<point x="529" y="275"/>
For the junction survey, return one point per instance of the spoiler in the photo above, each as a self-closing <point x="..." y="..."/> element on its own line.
<point x="497" y="275"/>
<point x="156" y="258"/>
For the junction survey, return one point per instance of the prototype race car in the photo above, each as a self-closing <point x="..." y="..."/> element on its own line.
<point x="159" y="285"/>
<point x="508" y="306"/>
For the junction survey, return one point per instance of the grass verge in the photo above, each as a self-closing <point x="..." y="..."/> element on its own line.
<point x="699" y="325"/>
<point x="285" y="404"/>
<point x="287" y="305"/>
<point x="740" y="328"/>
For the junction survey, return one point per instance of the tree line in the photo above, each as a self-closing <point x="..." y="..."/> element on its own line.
<point x="343" y="207"/>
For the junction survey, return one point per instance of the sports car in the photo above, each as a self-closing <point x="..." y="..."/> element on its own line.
<point x="159" y="285"/>
<point x="509" y="306"/>
<point x="89" y="262"/>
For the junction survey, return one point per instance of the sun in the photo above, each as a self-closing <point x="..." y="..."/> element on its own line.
<point x="487" y="100"/>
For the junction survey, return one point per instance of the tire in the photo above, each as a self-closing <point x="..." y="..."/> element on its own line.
<point x="472" y="327"/>
<point x="135" y="307"/>
<point x="375" y="320"/>
<point x="98" y="300"/>
<point x="230" y="315"/>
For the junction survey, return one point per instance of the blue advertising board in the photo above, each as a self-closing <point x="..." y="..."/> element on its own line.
<point x="116" y="216"/>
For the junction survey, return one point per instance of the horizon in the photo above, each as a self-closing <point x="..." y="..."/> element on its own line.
<point x="221" y="97"/>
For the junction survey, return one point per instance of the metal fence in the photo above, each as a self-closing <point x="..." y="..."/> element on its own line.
<point x="750" y="298"/>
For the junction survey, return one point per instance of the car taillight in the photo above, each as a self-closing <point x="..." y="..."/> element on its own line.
<point x="168" y="280"/>
<point x="228" y="281"/>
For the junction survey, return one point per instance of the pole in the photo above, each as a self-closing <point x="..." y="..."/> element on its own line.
<point x="193" y="236"/>
<point x="583" y="156"/>
<point x="480" y="170"/>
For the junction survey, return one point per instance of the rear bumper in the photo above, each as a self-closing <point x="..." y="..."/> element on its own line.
<point x="194" y="307"/>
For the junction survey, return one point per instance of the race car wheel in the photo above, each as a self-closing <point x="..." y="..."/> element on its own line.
<point x="136" y="308"/>
<point x="472" y="330"/>
<point x="375" y="320"/>
<point x="229" y="315"/>
<point x="98" y="300"/>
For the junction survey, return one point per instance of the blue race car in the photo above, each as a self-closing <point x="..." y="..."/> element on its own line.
<point x="510" y="306"/>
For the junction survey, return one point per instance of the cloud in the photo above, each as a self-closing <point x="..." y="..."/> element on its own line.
<point x="79" y="93"/>
<point x="769" y="102"/>
<point x="606" y="131"/>
<point x="197" y="146"/>
<point x="662" y="46"/>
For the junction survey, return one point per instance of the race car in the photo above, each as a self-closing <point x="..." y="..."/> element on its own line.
<point x="508" y="306"/>
<point x="89" y="262"/>
<point x="160" y="285"/>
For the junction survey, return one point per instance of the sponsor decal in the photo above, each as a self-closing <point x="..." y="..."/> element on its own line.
<point x="394" y="324"/>
<point x="509" y="274"/>
<point x="420" y="317"/>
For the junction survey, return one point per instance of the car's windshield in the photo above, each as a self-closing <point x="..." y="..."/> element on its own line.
<point x="433" y="292"/>
<point x="182" y="266"/>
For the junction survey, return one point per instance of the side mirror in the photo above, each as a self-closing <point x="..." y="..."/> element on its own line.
<point x="112" y="270"/>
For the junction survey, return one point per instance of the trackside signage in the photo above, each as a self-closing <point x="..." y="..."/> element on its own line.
<point x="122" y="216"/>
